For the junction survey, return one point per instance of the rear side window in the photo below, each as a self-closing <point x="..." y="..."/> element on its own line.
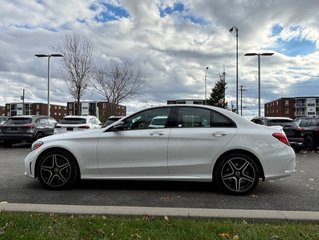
<point x="189" y="117"/>
<point x="19" y="120"/>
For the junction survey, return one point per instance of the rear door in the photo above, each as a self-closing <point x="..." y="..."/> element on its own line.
<point x="198" y="136"/>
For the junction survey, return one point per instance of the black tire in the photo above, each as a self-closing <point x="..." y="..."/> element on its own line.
<point x="309" y="142"/>
<point x="38" y="136"/>
<point x="57" y="170"/>
<point x="236" y="174"/>
<point x="7" y="144"/>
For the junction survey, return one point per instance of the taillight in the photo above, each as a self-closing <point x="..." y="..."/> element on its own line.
<point x="29" y="126"/>
<point x="281" y="137"/>
<point x="85" y="126"/>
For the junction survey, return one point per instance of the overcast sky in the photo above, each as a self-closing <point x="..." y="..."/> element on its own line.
<point x="171" y="42"/>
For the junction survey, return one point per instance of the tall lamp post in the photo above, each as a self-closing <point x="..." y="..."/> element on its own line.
<point x="49" y="57"/>
<point x="258" y="55"/>
<point x="205" y="85"/>
<point x="231" y="30"/>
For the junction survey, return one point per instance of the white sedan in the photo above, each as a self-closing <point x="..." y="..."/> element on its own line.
<point x="77" y="123"/>
<point x="198" y="143"/>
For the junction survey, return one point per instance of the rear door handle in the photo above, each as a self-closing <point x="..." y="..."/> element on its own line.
<point x="157" y="133"/>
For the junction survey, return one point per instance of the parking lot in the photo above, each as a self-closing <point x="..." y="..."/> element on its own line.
<point x="298" y="192"/>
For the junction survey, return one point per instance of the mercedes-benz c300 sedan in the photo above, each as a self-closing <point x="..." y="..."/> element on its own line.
<point x="192" y="143"/>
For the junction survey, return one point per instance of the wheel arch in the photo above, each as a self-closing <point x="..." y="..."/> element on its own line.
<point x="241" y="151"/>
<point x="55" y="149"/>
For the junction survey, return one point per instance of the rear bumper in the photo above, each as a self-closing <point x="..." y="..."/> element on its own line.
<point x="26" y="137"/>
<point x="296" y="142"/>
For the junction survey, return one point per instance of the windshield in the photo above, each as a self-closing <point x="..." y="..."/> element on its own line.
<point x="73" y="121"/>
<point x="19" y="120"/>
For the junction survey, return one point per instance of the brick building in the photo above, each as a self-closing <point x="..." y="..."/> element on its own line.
<point x="17" y="109"/>
<point x="292" y="107"/>
<point x="101" y="110"/>
<point x="2" y="111"/>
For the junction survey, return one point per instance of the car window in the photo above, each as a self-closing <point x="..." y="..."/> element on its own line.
<point x="258" y="121"/>
<point x="304" y="123"/>
<point x="190" y="117"/>
<point x="152" y="118"/>
<point x="314" y="122"/>
<point x="73" y="121"/>
<point x="19" y="120"/>
<point x="280" y="122"/>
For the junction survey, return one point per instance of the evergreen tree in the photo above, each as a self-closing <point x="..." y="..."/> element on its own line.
<point x="217" y="97"/>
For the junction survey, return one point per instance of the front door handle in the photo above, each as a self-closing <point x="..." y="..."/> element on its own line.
<point x="219" y="134"/>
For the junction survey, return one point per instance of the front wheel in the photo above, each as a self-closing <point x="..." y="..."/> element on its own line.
<point x="236" y="174"/>
<point x="57" y="170"/>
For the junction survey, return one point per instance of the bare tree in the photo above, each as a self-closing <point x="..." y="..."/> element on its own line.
<point x="77" y="67"/>
<point x="117" y="82"/>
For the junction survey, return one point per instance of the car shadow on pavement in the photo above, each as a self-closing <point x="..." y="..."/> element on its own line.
<point x="146" y="185"/>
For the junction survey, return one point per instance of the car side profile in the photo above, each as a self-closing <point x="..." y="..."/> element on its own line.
<point x="191" y="143"/>
<point x="26" y="128"/>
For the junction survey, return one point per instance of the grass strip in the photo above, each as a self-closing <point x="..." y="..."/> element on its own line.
<point x="59" y="226"/>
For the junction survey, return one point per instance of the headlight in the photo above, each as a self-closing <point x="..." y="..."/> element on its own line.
<point x="36" y="145"/>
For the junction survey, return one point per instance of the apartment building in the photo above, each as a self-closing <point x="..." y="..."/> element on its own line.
<point x="101" y="110"/>
<point x="186" y="101"/>
<point x="18" y="109"/>
<point x="292" y="107"/>
<point x="2" y="110"/>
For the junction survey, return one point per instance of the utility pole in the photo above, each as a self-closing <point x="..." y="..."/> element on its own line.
<point x="242" y="89"/>
<point x="22" y="98"/>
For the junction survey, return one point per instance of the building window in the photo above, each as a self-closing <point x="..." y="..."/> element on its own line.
<point x="286" y="110"/>
<point x="286" y="102"/>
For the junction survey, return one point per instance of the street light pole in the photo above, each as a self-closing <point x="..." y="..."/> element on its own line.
<point x="259" y="84"/>
<point x="205" y="86"/>
<point x="231" y="30"/>
<point x="49" y="57"/>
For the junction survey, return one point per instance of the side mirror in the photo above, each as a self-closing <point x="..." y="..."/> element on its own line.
<point x="118" y="126"/>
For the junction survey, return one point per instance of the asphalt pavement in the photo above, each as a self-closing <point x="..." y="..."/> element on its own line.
<point x="13" y="166"/>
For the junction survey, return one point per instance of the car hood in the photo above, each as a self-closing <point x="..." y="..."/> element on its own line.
<point x="71" y="135"/>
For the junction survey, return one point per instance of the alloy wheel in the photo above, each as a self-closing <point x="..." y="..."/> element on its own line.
<point x="55" y="170"/>
<point x="239" y="175"/>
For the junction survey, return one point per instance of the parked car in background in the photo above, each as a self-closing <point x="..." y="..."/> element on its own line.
<point x="310" y="129"/>
<point x="192" y="143"/>
<point x="77" y="123"/>
<point x="3" y="119"/>
<point x="293" y="132"/>
<point x="272" y="121"/>
<point x="112" y="119"/>
<point x="26" y="128"/>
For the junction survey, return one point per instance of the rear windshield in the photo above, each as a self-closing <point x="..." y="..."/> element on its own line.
<point x="280" y="122"/>
<point x="19" y="120"/>
<point x="73" y="121"/>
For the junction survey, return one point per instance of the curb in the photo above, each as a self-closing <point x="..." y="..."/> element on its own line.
<point x="233" y="214"/>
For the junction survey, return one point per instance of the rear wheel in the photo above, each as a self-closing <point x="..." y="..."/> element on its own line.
<point x="57" y="170"/>
<point x="309" y="142"/>
<point x="236" y="174"/>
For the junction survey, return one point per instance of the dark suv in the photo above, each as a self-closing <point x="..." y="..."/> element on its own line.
<point x="26" y="129"/>
<point x="310" y="128"/>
